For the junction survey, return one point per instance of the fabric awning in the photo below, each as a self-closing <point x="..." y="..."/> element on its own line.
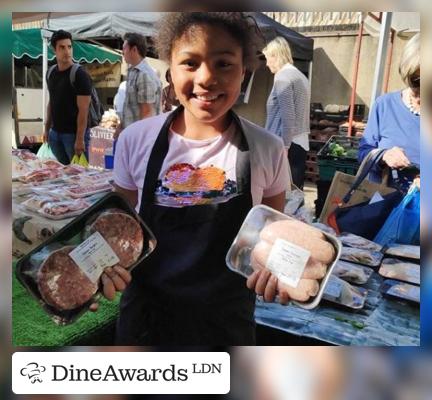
<point x="28" y="42"/>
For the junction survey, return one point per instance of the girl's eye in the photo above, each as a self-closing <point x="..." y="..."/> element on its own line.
<point x="189" y="63"/>
<point x="224" y="64"/>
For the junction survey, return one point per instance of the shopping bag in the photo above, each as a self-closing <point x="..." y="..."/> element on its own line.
<point x="45" y="152"/>
<point x="353" y="211"/>
<point x="403" y="224"/>
<point x="80" y="160"/>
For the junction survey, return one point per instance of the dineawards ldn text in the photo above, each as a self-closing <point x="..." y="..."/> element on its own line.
<point x="113" y="374"/>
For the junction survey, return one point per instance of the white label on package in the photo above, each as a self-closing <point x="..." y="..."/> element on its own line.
<point x="94" y="255"/>
<point x="287" y="261"/>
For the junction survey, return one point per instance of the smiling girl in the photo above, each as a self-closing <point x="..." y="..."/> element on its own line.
<point x="194" y="174"/>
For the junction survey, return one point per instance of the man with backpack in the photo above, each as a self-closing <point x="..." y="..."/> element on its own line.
<point x="73" y="107"/>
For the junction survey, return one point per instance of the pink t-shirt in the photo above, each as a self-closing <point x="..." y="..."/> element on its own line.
<point x="200" y="171"/>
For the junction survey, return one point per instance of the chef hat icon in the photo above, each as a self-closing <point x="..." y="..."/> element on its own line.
<point x="33" y="371"/>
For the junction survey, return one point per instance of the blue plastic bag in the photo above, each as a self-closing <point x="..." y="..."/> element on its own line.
<point x="403" y="224"/>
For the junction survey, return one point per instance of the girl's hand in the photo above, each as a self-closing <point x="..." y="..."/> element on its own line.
<point x="396" y="158"/>
<point x="263" y="283"/>
<point x="114" y="279"/>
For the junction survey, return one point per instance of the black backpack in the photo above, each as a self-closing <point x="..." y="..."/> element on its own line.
<point x="96" y="109"/>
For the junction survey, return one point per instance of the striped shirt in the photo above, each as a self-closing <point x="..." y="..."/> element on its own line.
<point x="288" y="107"/>
<point x="143" y="86"/>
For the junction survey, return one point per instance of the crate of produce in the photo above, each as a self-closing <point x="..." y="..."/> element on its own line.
<point x="338" y="154"/>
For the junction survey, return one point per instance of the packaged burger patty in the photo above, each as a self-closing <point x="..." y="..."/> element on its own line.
<point x="63" y="273"/>
<point x="344" y="294"/>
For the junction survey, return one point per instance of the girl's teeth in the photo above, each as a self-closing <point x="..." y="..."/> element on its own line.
<point x="206" y="98"/>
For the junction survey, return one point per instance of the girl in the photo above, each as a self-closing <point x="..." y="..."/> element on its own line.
<point x="194" y="174"/>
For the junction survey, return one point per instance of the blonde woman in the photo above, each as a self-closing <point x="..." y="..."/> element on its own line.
<point x="288" y="106"/>
<point x="394" y="122"/>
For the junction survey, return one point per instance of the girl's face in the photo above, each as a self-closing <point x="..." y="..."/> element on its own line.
<point x="207" y="71"/>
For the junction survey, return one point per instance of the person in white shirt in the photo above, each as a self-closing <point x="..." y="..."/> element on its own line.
<point x="288" y="106"/>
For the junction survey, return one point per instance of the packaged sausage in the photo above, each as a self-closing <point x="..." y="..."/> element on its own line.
<point x="340" y="292"/>
<point x="360" y="256"/>
<point x="401" y="290"/>
<point x="299" y="255"/>
<point x="353" y="273"/>
<point x="351" y="240"/>
<point x="403" y="250"/>
<point x="394" y="268"/>
<point x="63" y="273"/>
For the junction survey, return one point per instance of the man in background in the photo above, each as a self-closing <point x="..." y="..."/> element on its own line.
<point x="143" y="88"/>
<point x="66" y="128"/>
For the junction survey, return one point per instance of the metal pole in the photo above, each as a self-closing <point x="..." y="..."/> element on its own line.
<point x="381" y="57"/>
<point x="355" y="75"/>
<point x="389" y="62"/>
<point x="44" y="72"/>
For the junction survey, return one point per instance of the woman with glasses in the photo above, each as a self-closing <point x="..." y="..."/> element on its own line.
<point x="394" y="121"/>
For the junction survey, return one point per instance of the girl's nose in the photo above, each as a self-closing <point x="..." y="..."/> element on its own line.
<point x="205" y="76"/>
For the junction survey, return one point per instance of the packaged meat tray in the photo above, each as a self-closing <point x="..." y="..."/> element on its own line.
<point x="63" y="209"/>
<point x="37" y="201"/>
<point x="87" y="190"/>
<point x="299" y="255"/>
<point x="394" y="268"/>
<point x="340" y="292"/>
<point x="353" y="273"/>
<point x="401" y="290"/>
<point x="63" y="273"/>
<point x="360" y="256"/>
<point x="351" y="240"/>
<point x="404" y="251"/>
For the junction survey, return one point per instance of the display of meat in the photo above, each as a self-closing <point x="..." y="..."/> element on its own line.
<point x="302" y="235"/>
<point x="25" y="155"/>
<point x="62" y="284"/>
<point x="88" y="190"/>
<point x="51" y="164"/>
<point x="36" y="202"/>
<point x="401" y="270"/>
<point x="73" y="169"/>
<point x="66" y="208"/>
<point x="122" y="232"/>
<point x="41" y="175"/>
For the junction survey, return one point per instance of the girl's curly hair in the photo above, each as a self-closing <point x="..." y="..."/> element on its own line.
<point x="243" y="29"/>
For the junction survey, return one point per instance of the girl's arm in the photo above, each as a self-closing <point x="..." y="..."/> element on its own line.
<point x="276" y="202"/>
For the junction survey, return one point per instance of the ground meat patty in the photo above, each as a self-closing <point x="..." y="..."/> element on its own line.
<point x="123" y="233"/>
<point x="62" y="284"/>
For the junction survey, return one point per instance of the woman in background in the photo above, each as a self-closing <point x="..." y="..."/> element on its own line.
<point x="288" y="106"/>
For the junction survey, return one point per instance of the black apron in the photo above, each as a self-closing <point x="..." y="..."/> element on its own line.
<point x="183" y="293"/>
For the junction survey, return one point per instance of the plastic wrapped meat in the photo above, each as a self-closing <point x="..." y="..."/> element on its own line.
<point x="401" y="290"/>
<point x="359" y="256"/>
<point x="302" y="235"/>
<point x="341" y="292"/>
<point x="324" y="228"/>
<point x="352" y="273"/>
<point x="122" y="232"/>
<point x="404" y="250"/>
<point x="36" y="202"/>
<point x="351" y="240"/>
<point x="64" y="209"/>
<point x="62" y="284"/>
<point x="401" y="270"/>
<point x="294" y="200"/>
<point x="41" y="175"/>
<point x="88" y="190"/>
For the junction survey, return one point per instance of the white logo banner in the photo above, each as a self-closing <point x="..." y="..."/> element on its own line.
<point x="120" y="373"/>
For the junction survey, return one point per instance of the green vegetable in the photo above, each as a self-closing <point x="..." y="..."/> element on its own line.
<point x="352" y="153"/>
<point x="336" y="150"/>
<point x="354" y="324"/>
